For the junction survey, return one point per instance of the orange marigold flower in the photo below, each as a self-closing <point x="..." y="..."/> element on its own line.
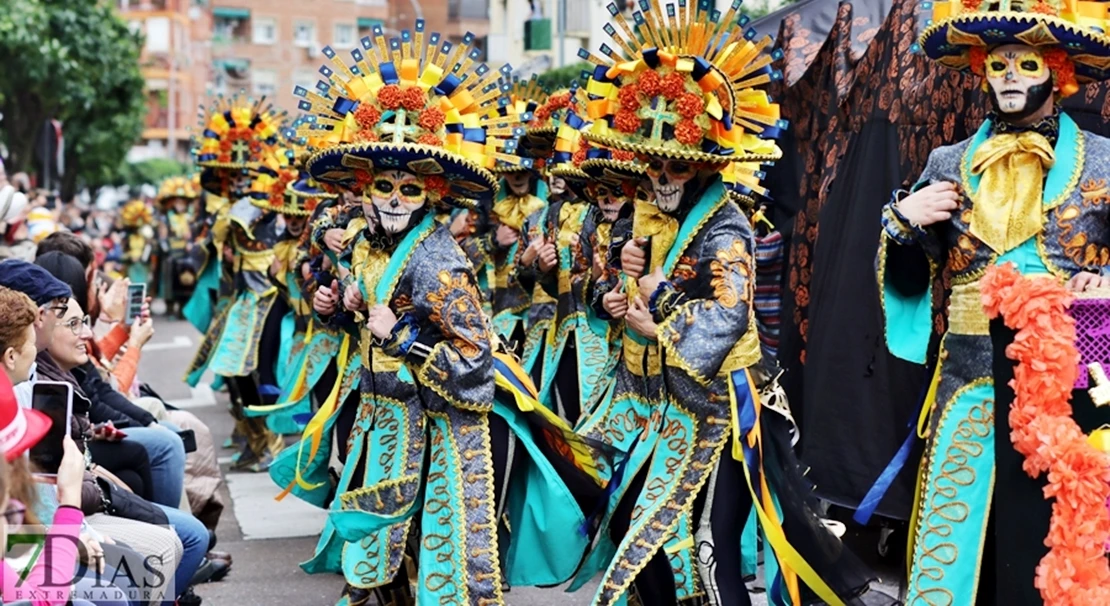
<point x="559" y="101"/>
<point x="431" y="119"/>
<point x="688" y="132"/>
<point x="629" y="96"/>
<point x="971" y="5"/>
<point x="389" y="97"/>
<point x="650" y="83"/>
<point x="540" y="116"/>
<point x="623" y="156"/>
<point x="689" y="105"/>
<point x="977" y="57"/>
<point x="367" y="136"/>
<point x="429" y="139"/>
<point x="579" y="156"/>
<point x="673" y="85"/>
<point x="413" y="99"/>
<point x="626" y="121"/>
<point x="437" y="185"/>
<point x="1063" y="70"/>
<point x="367" y="116"/>
<point x="363" y="178"/>
<point x="629" y="188"/>
<point x="1044" y="8"/>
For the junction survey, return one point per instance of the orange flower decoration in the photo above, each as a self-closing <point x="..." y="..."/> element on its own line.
<point x="367" y="116"/>
<point x="688" y="132"/>
<point x="431" y="119"/>
<point x="626" y="121"/>
<point x="414" y="99"/>
<point x="429" y="139"/>
<point x="650" y="83"/>
<point x="1075" y="571"/>
<point x="389" y="97"/>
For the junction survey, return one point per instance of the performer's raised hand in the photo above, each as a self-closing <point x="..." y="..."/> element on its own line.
<point x="930" y="204"/>
<point x="352" y="298"/>
<point x="649" y="283"/>
<point x="381" y="321"/>
<point x="639" y="319"/>
<point x="326" y="299"/>
<point x="1086" y="280"/>
<point x="633" y="258"/>
<point x="333" y="239"/>
<point x="506" y="236"/>
<point x="615" y="303"/>
<point x="549" y="257"/>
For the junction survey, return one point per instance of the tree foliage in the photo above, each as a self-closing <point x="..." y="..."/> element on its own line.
<point x="148" y="172"/>
<point x="75" y="61"/>
<point x="561" y="77"/>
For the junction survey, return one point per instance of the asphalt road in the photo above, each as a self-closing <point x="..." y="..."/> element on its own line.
<point x="268" y="539"/>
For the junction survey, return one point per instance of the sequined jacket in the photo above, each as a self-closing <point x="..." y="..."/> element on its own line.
<point x="568" y="282"/>
<point x="252" y="233"/>
<point x="1075" y="238"/>
<point x="442" y="334"/>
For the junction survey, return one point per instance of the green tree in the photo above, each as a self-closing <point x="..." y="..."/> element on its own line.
<point x="75" y="61"/>
<point x="561" y="77"/>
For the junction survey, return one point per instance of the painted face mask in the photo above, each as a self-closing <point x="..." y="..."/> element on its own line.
<point x="668" y="181"/>
<point x="557" y="186"/>
<point x="519" y="183"/>
<point x="295" y="225"/>
<point x="1019" y="80"/>
<point x="610" y="198"/>
<point x="239" y="184"/>
<point x="394" y="197"/>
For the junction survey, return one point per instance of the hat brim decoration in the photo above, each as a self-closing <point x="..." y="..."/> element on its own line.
<point x="136" y="214"/>
<point x="237" y="131"/>
<point x="684" y="85"/>
<point x="419" y="106"/>
<point x="525" y="98"/>
<point x="957" y="27"/>
<point x="177" y="187"/>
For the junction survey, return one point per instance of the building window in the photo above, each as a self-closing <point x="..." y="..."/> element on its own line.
<point x="265" y="31"/>
<point x="344" y="35"/>
<point x="264" y="82"/>
<point x="304" y="33"/>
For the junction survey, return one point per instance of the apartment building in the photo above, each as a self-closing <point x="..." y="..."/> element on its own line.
<point x="268" y="47"/>
<point x="175" y="63"/>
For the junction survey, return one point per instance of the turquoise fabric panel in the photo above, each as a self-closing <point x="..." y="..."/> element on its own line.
<point x="546" y="542"/>
<point x="909" y="321"/>
<point x="198" y="310"/>
<point x="286" y="369"/>
<point x="1026" y="258"/>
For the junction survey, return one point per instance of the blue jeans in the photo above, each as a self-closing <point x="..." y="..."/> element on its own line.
<point x="167" y="461"/>
<point x="194" y="538"/>
<point x="101" y="591"/>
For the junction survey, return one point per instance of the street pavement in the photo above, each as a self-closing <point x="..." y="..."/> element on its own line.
<point x="268" y="539"/>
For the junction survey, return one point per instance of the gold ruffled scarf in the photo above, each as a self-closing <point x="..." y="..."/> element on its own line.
<point x="513" y="210"/>
<point x="1008" y="207"/>
<point x="650" y="222"/>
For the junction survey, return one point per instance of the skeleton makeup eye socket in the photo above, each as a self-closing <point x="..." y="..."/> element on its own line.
<point x="998" y="66"/>
<point x="1030" y="65"/>
<point x="678" y="168"/>
<point x="655" y="167"/>
<point x="411" y="190"/>
<point x="383" y="186"/>
<point x="602" y="190"/>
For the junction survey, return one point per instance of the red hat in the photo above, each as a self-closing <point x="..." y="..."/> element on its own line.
<point x="20" y="428"/>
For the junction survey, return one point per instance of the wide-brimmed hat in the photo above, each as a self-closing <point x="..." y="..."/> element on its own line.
<point x="419" y="104"/>
<point x="743" y="181"/>
<point x="525" y="97"/>
<point x="135" y="214"/>
<point x="962" y="25"/>
<point x="236" y="131"/>
<point x="685" y="86"/>
<point x="20" y="428"/>
<point x="177" y="187"/>
<point x="611" y="166"/>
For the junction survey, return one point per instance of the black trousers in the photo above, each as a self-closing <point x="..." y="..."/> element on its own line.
<point x="128" y="461"/>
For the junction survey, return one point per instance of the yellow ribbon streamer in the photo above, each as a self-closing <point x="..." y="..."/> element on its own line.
<point x="314" y="431"/>
<point x="792" y="563"/>
<point x="1007" y="207"/>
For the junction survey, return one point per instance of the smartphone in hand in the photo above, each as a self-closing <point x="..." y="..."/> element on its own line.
<point x="136" y="296"/>
<point x="55" y="400"/>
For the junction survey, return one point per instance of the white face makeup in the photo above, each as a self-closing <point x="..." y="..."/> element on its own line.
<point x="668" y="180"/>
<point x="393" y="196"/>
<point x="610" y="199"/>
<point x="1018" y="78"/>
<point x="519" y="183"/>
<point x="557" y="185"/>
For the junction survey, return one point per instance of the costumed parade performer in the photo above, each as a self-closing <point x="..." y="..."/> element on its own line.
<point x="410" y="127"/>
<point x="680" y="90"/>
<point x="245" y="235"/>
<point x="177" y="198"/>
<point x="138" y="243"/>
<point x="1003" y="220"/>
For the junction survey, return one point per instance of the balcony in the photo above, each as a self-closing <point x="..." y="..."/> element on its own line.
<point x="230" y="26"/>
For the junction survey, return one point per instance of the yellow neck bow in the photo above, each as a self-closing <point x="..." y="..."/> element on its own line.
<point x="1008" y="207"/>
<point x="513" y="210"/>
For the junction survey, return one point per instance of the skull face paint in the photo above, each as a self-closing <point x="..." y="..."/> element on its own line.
<point x="557" y="186"/>
<point x="1019" y="80"/>
<point x="295" y="225"/>
<point x="668" y="180"/>
<point x="393" y="197"/>
<point x="239" y="183"/>
<point x="520" y="184"/>
<point x="610" y="198"/>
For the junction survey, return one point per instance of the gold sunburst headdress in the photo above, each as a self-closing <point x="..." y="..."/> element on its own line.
<point x="525" y="98"/>
<point x="416" y="103"/>
<point x="684" y="85"/>
<point x="177" y="187"/>
<point x="235" y="132"/>
<point x="136" y="214"/>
